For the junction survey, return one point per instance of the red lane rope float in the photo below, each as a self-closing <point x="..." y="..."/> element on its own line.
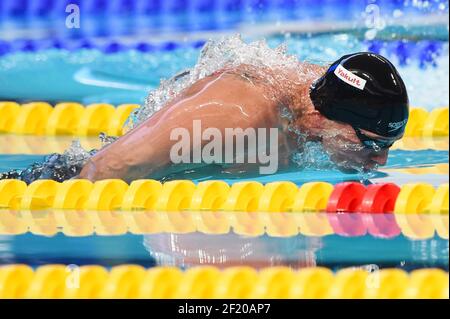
<point x="373" y="200"/>
<point x="355" y="197"/>
<point x="379" y="199"/>
<point x="347" y="197"/>
<point x="382" y="225"/>
<point x="349" y="225"/>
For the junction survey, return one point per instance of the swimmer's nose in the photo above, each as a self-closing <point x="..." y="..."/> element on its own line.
<point x="381" y="157"/>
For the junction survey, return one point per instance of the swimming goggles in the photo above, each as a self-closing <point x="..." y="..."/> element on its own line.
<point x="373" y="143"/>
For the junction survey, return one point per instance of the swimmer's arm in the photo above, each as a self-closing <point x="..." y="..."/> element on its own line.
<point x="145" y="151"/>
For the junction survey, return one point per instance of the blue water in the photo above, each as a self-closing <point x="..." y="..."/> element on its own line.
<point x="91" y="76"/>
<point x="137" y="17"/>
<point x="127" y="76"/>
<point x="115" y="72"/>
<point x="331" y="251"/>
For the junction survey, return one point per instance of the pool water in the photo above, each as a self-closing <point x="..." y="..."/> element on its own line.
<point x="255" y="239"/>
<point x="126" y="77"/>
<point x="399" y="162"/>
<point x="336" y="252"/>
<point x="92" y="76"/>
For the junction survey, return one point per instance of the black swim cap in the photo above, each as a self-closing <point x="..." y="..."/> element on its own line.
<point x="363" y="90"/>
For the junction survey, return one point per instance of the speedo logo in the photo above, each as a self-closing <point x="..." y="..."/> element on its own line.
<point x="396" y="125"/>
<point x="350" y="78"/>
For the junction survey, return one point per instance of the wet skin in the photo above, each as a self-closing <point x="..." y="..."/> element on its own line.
<point x="229" y="99"/>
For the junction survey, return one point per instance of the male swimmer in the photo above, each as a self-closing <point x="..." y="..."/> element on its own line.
<point x="356" y="108"/>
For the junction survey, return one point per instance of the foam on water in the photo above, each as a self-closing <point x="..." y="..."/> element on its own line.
<point x="58" y="167"/>
<point x="226" y="52"/>
<point x="232" y="52"/>
<point x="127" y="76"/>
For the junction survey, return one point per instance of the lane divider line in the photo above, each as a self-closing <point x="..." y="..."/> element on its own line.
<point x="68" y="118"/>
<point x="133" y="281"/>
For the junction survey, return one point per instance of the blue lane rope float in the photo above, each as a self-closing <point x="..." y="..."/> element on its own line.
<point x="29" y="9"/>
<point x="423" y="52"/>
<point x="106" y="46"/>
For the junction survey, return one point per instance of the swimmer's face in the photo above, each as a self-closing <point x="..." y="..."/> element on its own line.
<point x="347" y="151"/>
<point x="342" y="143"/>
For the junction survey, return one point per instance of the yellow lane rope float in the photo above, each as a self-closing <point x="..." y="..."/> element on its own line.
<point x="132" y="281"/>
<point x="70" y="118"/>
<point x="111" y="223"/>
<point x="40" y="118"/>
<point x="112" y="207"/>
<point x="441" y="169"/>
<point x="422" y="143"/>
<point x="246" y="196"/>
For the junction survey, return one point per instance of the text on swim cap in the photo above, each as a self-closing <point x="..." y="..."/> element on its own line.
<point x="349" y="78"/>
<point x="396" y="125"/>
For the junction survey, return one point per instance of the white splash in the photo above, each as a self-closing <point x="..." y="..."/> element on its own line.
<point x="230" y="51"/>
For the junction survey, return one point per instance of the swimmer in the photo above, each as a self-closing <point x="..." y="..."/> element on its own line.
<point x="356" y="108"/>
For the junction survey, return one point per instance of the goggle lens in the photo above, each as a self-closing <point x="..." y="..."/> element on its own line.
<point x="372" y="143"/>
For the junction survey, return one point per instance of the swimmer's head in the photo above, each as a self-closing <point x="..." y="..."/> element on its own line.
<point x="365" y="97"/>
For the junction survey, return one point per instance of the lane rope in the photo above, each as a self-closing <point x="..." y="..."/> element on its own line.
<point x="74" y="119"/>
<point x="111" y="223"/>
<point x="132" y="281"/>
<point x="216" y="195"/>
